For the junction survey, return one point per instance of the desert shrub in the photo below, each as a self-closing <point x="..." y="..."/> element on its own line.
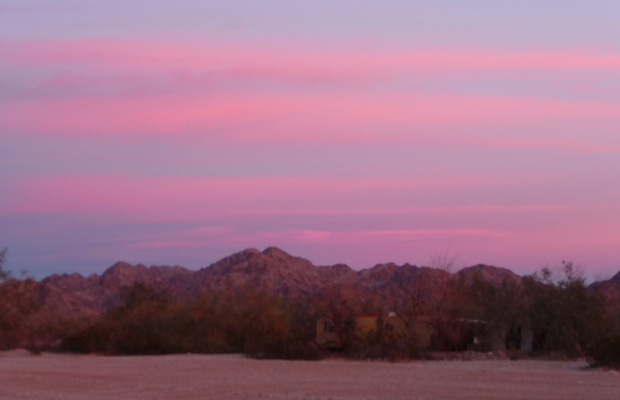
<point x="94" y="338"/>
<point x="149" y="322"/>
<point x="296" y="340"/>
<point x="605" y="352"/>
<point x="391" y="350"/>
<point x="565" y="316"/>
<point x="337" y="305"/>
<point x="241" y="320"/>
<point x="210" y="314"/>
<point x="273" y="328"/>
<point x="18" y="309"/>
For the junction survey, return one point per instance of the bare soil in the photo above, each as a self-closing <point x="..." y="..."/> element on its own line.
<point x="66" y="376"/>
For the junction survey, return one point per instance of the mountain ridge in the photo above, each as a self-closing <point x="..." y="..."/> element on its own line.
<point x="273" y="270"/>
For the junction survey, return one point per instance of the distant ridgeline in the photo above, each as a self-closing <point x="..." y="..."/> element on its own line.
<point x="271" y="304"/>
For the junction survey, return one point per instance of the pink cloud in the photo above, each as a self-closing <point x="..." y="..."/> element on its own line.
<point x="304" y="236"/>
<point x="133" y="89"/>
<point x="182" y="197"/>
<point x="127" y="116"/>
<point x="164" y="244"/>
<point x="434" y="232"/>
<point x="314" y="59"/>
<point x="293" y="118"/>
<point x="555" y="144"/>
<point x="187" y="198"/>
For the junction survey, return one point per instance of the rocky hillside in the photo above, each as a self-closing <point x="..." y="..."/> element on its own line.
<point x="610" y="289"/>
<point x="494" y="275"/>
<point x="272" y="269"/>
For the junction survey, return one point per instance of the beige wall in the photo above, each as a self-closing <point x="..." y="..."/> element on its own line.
<point x="366" y="326"/>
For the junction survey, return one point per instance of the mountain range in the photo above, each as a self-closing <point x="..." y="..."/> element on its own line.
<point x="272" y="270"/>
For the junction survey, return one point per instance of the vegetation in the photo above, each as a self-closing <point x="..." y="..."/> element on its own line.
<point x="547" y="312"/>
<point x="564" y="315"/>
<point x="605" y="352"/>
<point x="4" y="274"/>
<point x="19" y="322"/>
<point x="245" y="321"/>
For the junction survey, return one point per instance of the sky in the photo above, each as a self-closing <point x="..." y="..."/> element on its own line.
<point x="357" y="132"/>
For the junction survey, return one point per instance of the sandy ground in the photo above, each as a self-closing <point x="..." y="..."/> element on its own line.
<point x="64" y="376"/>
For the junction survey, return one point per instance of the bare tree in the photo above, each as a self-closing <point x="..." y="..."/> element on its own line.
<point x="425" y="301"/>
<point x="339" y="309"/>
<point x="444" y="303"/>
<point x="4" y="274"/>
<point x="444" y="261"/>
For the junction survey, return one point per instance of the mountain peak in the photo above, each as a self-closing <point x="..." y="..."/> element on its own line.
<point x="496" y="276"/>
<point x="246" y="253"/>
<point x="121" y="265"/>
<point x="275" y="252"/>
<point x="124" y="267"/>
<point x="378" y="275"/>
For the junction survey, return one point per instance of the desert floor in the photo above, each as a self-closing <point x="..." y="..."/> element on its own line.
<point x="65" y="376"/>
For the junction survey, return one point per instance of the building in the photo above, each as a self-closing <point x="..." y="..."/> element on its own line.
<point x="371" y="327"/>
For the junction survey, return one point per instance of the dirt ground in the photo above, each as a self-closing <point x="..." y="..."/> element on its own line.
<point x="65" y="376"/>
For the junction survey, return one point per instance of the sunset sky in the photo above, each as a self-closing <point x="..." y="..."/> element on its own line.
<point x="360" y="132"/>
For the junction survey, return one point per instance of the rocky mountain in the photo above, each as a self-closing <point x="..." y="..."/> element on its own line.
<point x="610" y="289"/>
<point x="272" y="270"/>
<point x="494" y="275"/>
<point x="77" y="295"/>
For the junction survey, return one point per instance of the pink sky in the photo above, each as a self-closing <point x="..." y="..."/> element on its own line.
<point x="169" y="140"/>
